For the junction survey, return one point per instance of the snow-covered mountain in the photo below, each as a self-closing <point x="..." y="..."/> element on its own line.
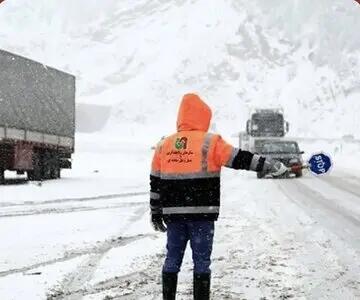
<point x="140" y="56"/>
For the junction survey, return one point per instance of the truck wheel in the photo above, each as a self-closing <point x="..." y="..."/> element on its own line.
<point x="30" y="175"/>
<point x="34" y="175"/>
<point x="58" y="172"/>
<point x="37" y="173"/>
<point x="260" y="175"/>
<point x="55" y="172"/>
<point x="47" y="172"/>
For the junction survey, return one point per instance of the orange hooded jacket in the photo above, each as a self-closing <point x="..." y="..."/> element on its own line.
<point x="192" y="152"/>
<point x="185" y="173"/>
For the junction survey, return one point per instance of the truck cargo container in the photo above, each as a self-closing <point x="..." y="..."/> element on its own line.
<point x="37" y="118"/>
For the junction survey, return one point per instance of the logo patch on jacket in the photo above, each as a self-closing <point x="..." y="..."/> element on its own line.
<point x="181" y="143"/>
<point x="181" y="154"/>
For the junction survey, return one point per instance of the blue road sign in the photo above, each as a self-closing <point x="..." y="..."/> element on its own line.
<point x="320" y="164"/>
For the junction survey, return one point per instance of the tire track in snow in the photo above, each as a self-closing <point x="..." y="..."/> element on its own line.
<point x="99" y="248"/>
<point x="336" y="218"/>
<point x="71" y="288"/>
<point x="130" y="286"/>
<point x="343" y="185"/>
<point x="338" y="221"/>
<point x="57" y="210"/>
<point x="80" y="199"/>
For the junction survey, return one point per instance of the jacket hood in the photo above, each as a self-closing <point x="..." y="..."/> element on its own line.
<point x="194" y="114"/>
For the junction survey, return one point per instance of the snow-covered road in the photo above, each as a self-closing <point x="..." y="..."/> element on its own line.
<point x="275" y="239"/>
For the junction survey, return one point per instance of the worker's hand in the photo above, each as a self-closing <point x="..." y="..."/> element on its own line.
<point x="275" y="168"/>
<point x="158" y="223"/>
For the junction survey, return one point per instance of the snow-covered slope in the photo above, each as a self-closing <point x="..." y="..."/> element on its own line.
<point x="140" y="56"/>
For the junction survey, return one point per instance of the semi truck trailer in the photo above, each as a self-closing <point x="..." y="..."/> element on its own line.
<point x="37" y="118"/>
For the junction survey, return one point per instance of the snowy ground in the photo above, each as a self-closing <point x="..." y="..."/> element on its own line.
<point x="88" y="236"/>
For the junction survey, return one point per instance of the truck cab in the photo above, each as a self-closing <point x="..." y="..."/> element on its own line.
<point x="267" y="123"/>
<point x="262" y="124"/>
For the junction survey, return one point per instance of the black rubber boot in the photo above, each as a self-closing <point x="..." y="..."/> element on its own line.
<point x="169" y="283"/>
<point x="202" y="286"/>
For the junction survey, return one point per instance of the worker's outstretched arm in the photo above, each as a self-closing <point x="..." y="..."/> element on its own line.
<point x="238" y="159"/>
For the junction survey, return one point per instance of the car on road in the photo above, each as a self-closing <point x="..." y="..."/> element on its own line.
<point x="286" y="151"/>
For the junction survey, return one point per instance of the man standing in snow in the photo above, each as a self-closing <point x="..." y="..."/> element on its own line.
<point x="185" y="191"/>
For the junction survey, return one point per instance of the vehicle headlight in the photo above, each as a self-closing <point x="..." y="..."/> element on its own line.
<point x="294" y="161"/>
